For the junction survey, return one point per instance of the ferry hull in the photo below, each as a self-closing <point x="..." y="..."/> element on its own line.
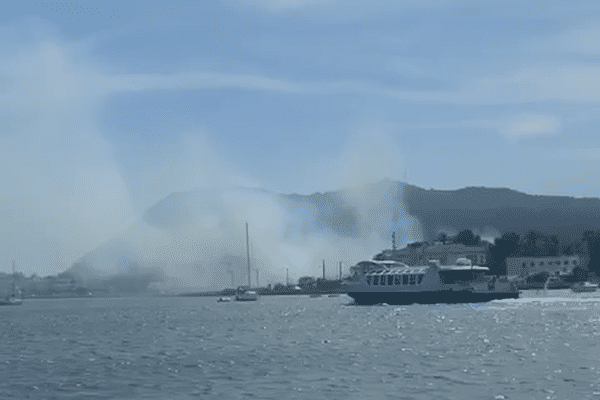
<point x="439" y="297"/>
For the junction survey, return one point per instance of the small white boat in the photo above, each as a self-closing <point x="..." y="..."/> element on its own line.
<point x="584" y="287"/>
<point x="14" y="298"/>
<point x="245" y="295"/>
<point x="224" y="300"/>
<point x="11" y="301"/>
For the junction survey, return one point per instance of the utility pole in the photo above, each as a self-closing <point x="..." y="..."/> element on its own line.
<point x="394" y="241"/>
<point x="257" y="284"/>
<point x="248" y="254"/>
<point x="287" y="277"/>
<point x="323" y="269"/>
<point x="340" y="278"/>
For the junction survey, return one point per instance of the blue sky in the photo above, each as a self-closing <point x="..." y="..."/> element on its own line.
<point x="107" y="107"/>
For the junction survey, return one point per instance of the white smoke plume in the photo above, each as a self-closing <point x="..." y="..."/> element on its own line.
<point x="198" y="237"/>
<point x="66" y="197"/>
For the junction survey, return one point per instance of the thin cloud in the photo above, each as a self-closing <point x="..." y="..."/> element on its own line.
<point x="49" y="59"/>
<point x="589" y="154"/>
<point x="527" y="125"/>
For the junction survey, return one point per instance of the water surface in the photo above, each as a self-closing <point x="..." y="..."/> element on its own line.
<point x="544" y="346"/>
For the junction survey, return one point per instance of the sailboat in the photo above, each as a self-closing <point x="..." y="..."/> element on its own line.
<point x="243" y="293"/>
<point x="13" y="298"/>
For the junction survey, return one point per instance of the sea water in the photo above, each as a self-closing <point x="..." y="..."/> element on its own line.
<point x="543" y="346"/>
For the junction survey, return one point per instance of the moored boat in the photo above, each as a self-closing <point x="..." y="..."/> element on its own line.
<point x="12" y="299"/>
<point x="224" y="299"/>
<point x="244" y="294"/>
<point x="391" y="282"/>
<point x="584" y="287"/>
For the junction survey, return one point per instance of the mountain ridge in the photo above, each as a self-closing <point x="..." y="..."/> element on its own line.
<point x="205" y="226"/>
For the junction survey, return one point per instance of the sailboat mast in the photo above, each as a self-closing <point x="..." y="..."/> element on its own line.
<point x="14" y="289"/>
<point x="248" y="253"/>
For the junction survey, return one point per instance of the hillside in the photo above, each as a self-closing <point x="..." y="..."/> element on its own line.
<point x="476" y="208"/>
<point x="197" y="237"/>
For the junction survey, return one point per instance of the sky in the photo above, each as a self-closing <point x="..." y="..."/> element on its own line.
<point x="108" y="107"/>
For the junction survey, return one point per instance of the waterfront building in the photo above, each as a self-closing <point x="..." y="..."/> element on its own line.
<point x="525" y="266"/>
<point x="420" y="253"/>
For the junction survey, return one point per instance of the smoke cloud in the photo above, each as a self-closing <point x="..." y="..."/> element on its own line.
<point x="66" y="199"/>
<point x="197" y="237"/>
<point x="62" y="193"/>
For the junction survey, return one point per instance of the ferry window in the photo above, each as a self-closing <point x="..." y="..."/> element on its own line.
<point x="532" y="264"/>
<point x="412" y="279"/>
<point x="405" y="279"/>
<point x="523" y="265"/>
<point x="397" y="280"/>
<point x="369" y="280"/>
<point x="390" y="279"/>
<point x="420" y="279"/>
<point x="541" y="263"/>
<point x="376" y="280"/>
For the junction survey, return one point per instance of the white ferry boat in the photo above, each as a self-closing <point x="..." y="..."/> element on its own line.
<point x="244" y="294"/>
<point x="391" y="282"/>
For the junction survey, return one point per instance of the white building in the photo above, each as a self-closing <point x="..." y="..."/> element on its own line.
<point x="524" y="266"/>
<point x="447" y="254"/>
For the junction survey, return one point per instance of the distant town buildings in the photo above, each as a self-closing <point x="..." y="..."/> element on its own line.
<point x="525" y="266"/>
<point x="420" y="253"/>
